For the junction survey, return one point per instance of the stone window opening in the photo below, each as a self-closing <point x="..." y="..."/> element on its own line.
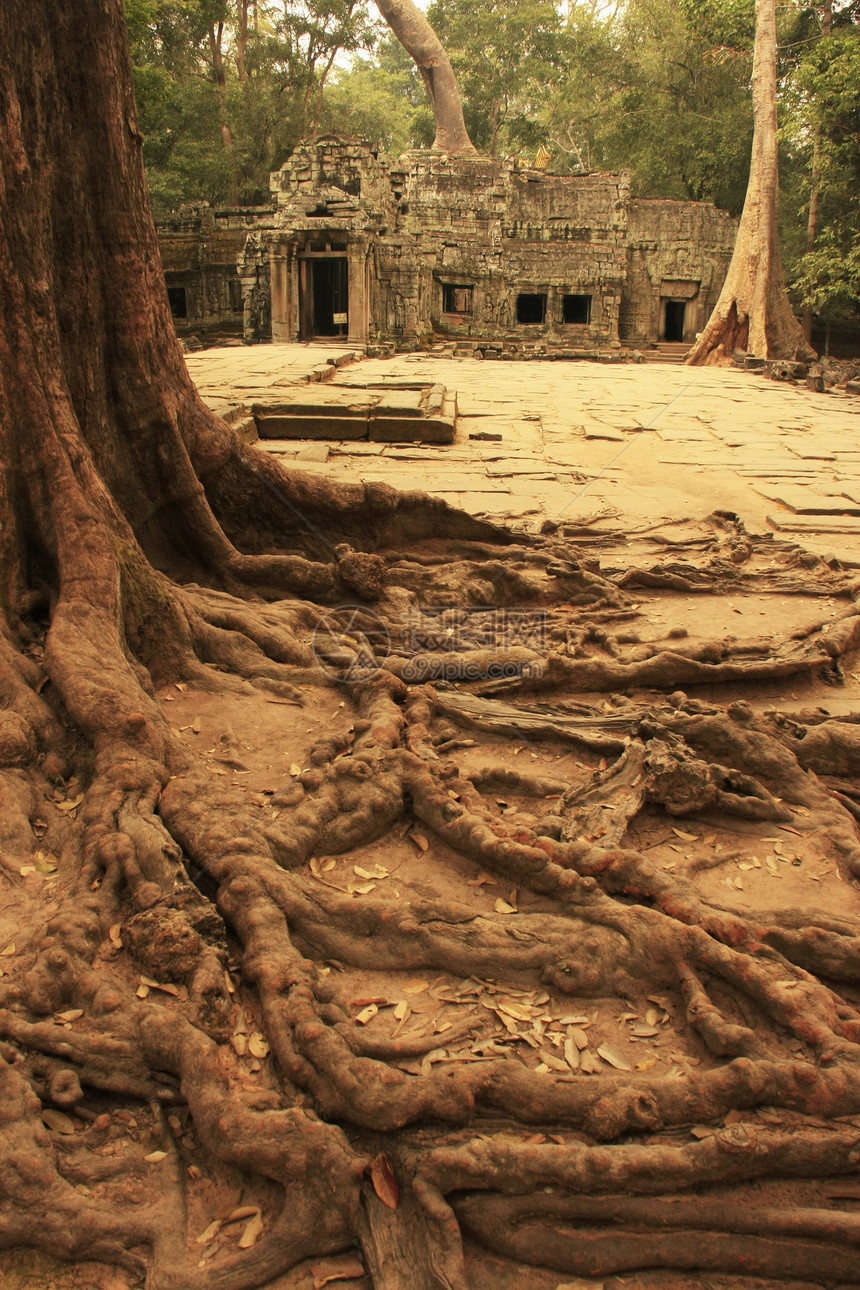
<point x="576" y="310"/>
<point x="457" y="298"/>
<point x="178" y="302"/>
<point x="531" y="308"/>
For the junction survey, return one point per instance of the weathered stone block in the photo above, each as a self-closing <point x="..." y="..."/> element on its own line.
<point x="312" y="427"/>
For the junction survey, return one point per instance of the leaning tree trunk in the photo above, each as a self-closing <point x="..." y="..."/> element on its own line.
<point x="753" y="312"/>
<point x="420" y="40"/>
<point x="179" y="1002"/>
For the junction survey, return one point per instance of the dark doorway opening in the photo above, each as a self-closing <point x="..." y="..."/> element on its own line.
<point x="576" y="309"/>
<point x="456" y="299"/>
<point x="178" y="302"/>
<point x="531" y="308"/>
<point x="676" y="311"/>
<point x="330" y="295"/>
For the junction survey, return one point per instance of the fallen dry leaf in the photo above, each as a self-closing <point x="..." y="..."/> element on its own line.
<point x="155" y="1156"/>
<point x="367" y="1014"/>
<point x="502" y="907"/>
<point x="57" y="1121"/>
<point x="239" y="1212"/>
<point x="71" y="1014"/>
<point x="378" y="871"/>
<point x="210" y="1233"/>
<point x="70" y="804"/>
<point x="571" y="1054"/>
<point x="687" y="837"/>
<point x="554" y="1063"/>
<point x="257" y="1045"/>
<point x="614" y="1057"/>
<point x="361" y="888"/>
<point x="420" y="841"/>
<point x="252" y="1232"/>
<point x="329" y="1270"/>
<point x="384" y="1182"/>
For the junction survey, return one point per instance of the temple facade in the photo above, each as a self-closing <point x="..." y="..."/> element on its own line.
<point x="474" y="252"/>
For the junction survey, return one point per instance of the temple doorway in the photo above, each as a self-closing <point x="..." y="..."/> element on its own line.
<point x="674" y="319"/>
<point x="324" y="296"/>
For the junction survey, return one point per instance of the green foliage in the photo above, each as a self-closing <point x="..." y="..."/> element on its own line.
<point x="652" y="91"/>
<point x="827" y="280"/>
<point x="822" y="142"/>
<point x="507" y="55"/>
<point x="380" y="98"/>
<point x="226" y="88"/>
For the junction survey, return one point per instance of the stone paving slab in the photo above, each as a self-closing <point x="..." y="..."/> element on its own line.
<point x="815" y="525"/>
<point x="718" y="438"/>
<point x="805" y="501"/>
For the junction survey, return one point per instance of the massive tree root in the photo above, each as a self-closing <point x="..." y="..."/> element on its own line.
<point x="452" y="959"/>
<point x="202" y="971"/>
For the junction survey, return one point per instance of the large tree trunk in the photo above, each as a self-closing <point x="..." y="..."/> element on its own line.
<point x="170" y="928"/>
<point x="420" y="40"/>
<point x="753" y="312"/>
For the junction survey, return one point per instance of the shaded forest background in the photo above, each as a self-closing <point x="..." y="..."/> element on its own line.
<point x="226" y="88"/>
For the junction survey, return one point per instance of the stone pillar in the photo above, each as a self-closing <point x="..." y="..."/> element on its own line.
<point x="282" y="331"/>
<point x="359" y="292"/>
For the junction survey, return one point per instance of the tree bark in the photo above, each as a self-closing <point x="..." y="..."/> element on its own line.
<point x="753" y="312"/>
<point x="420" y="41"/>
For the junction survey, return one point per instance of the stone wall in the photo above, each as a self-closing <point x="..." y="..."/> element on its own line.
<point x="500" y="232"/>
<point x="476" y="252"/>
<point x="200" y="248"/>
<point x="677" y="251"/>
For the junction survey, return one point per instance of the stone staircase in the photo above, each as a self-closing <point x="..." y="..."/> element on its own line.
<point x="667" y="351"/>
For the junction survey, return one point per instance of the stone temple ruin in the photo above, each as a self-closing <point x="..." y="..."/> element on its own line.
<point x="482" y="254"/>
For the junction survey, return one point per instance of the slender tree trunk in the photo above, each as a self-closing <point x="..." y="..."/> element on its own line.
<point x="753" y="312"/>
<point x="321" y="88"/>
<point x="420" y="41"/>
<point x="812" y="225"/>
<point x="815" y="180"/>
<point x="216" y="37"/>
<point x="242" y="39"/>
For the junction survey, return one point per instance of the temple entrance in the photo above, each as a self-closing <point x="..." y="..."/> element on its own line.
<point x="324" y="296"/>
<point x="674" y="318"/>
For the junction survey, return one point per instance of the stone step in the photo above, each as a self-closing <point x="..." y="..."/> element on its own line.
<point x="667" y="352"/>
